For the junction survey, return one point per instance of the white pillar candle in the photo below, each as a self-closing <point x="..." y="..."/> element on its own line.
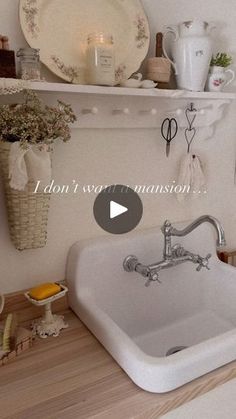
<point x="100" y="60"/>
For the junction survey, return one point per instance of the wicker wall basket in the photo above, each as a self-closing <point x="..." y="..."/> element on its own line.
<point x="27" y="211"/>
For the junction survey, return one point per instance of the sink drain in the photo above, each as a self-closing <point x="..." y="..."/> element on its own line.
<point x="175" y="349"/>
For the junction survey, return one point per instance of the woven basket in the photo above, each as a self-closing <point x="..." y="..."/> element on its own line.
<point x="27" y="211"/>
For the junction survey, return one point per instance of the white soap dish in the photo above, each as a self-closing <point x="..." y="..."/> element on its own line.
<point x="136" y="82"/>
<point x="50" y="324"/>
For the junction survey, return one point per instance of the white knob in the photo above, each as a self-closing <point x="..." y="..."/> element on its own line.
<point x="93" y="111"/>
<point x="177" y="112"/>
<point x="124" y="111"/>
<point x="152" y="111"/>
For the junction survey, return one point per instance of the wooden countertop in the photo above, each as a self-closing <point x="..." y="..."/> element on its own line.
<point x="220" y="402"/>
<point x="73" y="377"/>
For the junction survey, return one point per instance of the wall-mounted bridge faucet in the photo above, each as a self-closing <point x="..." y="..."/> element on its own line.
<point x="175" y="255"/>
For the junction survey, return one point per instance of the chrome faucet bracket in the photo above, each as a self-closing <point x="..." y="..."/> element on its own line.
<point x="130" y="263"/>
<point x="177" y="250"/>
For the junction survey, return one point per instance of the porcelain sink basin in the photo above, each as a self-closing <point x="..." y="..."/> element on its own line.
<point x="139" y="325"/>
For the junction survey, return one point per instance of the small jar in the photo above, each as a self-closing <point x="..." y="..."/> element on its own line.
<point x="100" y="59"/>
<point x="29" y="63"/>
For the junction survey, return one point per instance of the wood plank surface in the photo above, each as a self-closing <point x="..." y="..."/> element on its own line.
<point x="73" y="377"/>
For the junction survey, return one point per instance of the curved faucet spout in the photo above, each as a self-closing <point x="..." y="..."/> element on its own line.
<point x="203" y="219"/>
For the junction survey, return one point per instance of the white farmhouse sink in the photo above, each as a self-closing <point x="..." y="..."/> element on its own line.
<point x="138" y="325"/>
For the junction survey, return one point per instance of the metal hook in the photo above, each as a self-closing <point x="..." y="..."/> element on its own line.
<point x="192" y="109"/>
<point x="190" y="131"/>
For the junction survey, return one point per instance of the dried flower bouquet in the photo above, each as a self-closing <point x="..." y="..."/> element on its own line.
<point x="32" y="122"/>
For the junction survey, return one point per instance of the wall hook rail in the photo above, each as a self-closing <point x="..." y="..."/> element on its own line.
<point x="96" y="106"/>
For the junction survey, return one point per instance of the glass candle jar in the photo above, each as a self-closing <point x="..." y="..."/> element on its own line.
<point x="100" y="59"/>
<point x="29" y="63"/>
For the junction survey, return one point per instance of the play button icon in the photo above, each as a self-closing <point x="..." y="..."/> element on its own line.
<point x="118" y="209"/>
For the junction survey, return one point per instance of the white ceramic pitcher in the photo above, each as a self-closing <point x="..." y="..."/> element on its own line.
<point x="1" y="302"/>
<point x="217" y="78"/>
<point x="192" y="53"/>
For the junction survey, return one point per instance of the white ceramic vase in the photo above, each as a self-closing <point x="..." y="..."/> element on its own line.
<point x="191" y="52"/>
<point x="218" y="78"/>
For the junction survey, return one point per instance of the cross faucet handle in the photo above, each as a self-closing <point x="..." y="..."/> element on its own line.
<point x="152" y="277"/>
<point x="204" y="262"/>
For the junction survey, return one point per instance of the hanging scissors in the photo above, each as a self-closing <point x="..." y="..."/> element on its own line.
<point x="169" y="131"/>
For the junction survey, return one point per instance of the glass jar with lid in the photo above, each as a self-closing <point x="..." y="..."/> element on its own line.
<point x="100" y="59"/>
<point x="29" y="63"/>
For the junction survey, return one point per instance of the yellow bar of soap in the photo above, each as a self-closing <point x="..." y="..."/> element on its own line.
<point x="44" y="291"/>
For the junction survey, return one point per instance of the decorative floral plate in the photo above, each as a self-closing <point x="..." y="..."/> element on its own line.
<point x="60" y="29"/>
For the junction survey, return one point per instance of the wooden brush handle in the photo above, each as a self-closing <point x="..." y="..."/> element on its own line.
<point x="1" y="302"/>
<point x="5" y="43"/>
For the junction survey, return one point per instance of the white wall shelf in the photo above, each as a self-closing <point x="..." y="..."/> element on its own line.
<point x="118" y="107"/>
<point x="124" y="91"/>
